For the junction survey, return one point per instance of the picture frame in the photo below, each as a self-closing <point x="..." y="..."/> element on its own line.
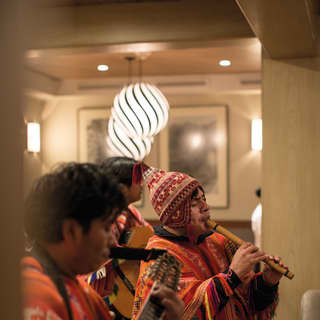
<point x="195" y="142"/>
<point x="92" y="134"/>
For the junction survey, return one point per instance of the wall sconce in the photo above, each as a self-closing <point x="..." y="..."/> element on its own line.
<point x="33" y="137"/>
<point x="256" y="134"/>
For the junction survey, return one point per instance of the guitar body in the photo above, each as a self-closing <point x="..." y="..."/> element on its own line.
<point x="130" y="268"/>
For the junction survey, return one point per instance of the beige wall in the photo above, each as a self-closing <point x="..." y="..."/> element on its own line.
<point x="59" y="138"/>
<point x="291" y="173"/>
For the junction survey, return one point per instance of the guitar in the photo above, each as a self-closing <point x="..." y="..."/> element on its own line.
<point x="128" y="272"/>
<point x="166" y="271"/>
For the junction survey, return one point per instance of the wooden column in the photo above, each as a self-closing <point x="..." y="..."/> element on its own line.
<point x="11" y="170"/>
<point x="291" y="175"/>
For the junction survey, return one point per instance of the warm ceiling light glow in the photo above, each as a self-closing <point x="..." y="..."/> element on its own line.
<point x="225" y="63"/>
<point x="32" y="54"/>
<point x="33" y="134"/>
<point x="103" y="67"/>
<point x="256" y="134"/>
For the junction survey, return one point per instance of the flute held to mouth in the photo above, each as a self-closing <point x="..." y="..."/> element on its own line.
<point x="229" y="235"/>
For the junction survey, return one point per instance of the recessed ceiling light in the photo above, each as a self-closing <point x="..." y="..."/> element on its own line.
<point x="32" y="54"/>
<point x="102" y="67"/>
<point x="225" y="63"/>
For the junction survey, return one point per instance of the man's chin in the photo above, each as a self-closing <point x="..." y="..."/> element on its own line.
<point x="93" y="268"/>
<point x="206" y="228"/>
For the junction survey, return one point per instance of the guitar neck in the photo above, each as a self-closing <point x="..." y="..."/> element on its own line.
<point x="164" y="271"/>
<point x="152" y="308"/>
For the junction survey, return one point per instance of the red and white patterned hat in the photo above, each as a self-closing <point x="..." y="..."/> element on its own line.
<point x="169" y="192"/>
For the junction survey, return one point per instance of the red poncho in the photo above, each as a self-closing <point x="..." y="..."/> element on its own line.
<point x="42" y="301"/>
<point x="207" y="286"/>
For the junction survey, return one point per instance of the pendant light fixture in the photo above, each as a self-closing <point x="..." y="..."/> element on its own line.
<point x="140" y="111"/>
<point x="122" y="144"/>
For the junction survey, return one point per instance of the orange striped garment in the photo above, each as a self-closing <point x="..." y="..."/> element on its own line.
<point x="205" y="284"/>
<point x="42" y="301"/>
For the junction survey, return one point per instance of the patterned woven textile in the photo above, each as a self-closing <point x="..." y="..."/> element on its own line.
<point x="42" y="301"/>
<point x="127" y="220"/>
<point x="209" y="289"/>
<point x="169" y="193"/>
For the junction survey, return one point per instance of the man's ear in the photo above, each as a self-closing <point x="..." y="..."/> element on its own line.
<point x="72" y="231"/>
<point x="124" y="189"/>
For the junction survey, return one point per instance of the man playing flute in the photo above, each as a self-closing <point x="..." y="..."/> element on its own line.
<point x="217" y="279"/>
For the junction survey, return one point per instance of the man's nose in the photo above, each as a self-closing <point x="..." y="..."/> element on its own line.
<point x="204" y="205"/>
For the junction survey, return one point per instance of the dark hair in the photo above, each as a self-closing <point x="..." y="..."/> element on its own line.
<point x="120" y="168"/>
<point x="258" y="192"/>
<point x="73" y="190"/>
<point x="195" y="192"/>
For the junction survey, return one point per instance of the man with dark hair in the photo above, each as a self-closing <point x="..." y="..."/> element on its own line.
<point x="103" y="280"/>
<point x="121" y="169"/>
<point x="68" y="216"/>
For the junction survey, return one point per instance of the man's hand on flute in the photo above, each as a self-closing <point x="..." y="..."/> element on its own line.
<point x="245" y="258"/>
<point x="270" y="275"/>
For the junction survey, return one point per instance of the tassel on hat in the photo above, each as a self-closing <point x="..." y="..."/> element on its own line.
<point x="140" y="172"/>
<point x="137" y="173"/>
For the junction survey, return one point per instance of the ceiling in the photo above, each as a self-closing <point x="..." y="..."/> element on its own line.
<point x="244" y="58"/>
<point x="176" y="57"/>
<point x="178" y="37"/>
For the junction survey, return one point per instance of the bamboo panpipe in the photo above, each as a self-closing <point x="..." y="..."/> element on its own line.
<point x="229" y="235"/>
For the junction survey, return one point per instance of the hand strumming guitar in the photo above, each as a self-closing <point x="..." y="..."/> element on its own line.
<point x="173" y="305"/>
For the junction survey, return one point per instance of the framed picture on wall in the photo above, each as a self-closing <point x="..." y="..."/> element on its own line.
<point x="92" y="134"/>
<point x="195" y="141"/>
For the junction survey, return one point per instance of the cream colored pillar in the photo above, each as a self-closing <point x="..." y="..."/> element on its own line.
<point x="291" y="175"/>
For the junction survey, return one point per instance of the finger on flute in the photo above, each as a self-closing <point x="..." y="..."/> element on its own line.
<point x="229" y="235"/>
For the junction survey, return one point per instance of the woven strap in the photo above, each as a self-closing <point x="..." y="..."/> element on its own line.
<point x="51" y="269"/>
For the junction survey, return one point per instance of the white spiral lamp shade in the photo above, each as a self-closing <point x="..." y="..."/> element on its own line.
<point x="123" y="145"/>
<point x="141" y="110"/>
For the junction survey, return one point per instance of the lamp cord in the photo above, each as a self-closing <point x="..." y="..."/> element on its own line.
<point x="140" y="70"/>
<point x="129" y="59"/>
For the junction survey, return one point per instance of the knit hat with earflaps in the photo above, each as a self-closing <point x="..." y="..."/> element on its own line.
<point x="169" y="192"/>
